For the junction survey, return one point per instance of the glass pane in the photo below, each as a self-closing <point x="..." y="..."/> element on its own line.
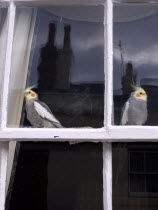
<point x="152" y="183"/>
<point x="57" y="176"/>
<point x="136" y="162"/>
<point x="137" y="183"/>
<point x="151" y="162"/>
<point x="135" y="189"/>
<point x="135" y="64"/>
<point x="64" y="58"/>
<point x="3" y="37"/>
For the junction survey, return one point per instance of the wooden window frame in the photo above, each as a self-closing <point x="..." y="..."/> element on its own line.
<point x="109" y="133"/>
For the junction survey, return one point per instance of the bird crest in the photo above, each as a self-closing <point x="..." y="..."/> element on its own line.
<point x="137" y="88"/>
<point x="29" y="88"/>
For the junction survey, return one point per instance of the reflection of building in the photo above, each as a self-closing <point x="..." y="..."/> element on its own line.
<point x="64" y="62"/>
<point x="55" y="64"/>
<point x="47" y="66"/>
<point x="128" y="79"/>
<point x="135" y="176"/>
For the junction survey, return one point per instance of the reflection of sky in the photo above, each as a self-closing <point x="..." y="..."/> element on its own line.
<point x="140" y="46"/>
<point x="87" y="42"/>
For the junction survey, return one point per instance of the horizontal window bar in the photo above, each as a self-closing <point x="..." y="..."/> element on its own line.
<point x="113" y="134"/>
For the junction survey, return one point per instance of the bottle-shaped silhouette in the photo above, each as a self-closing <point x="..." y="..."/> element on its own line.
<point x="128" y="79"/>
<point x="48" y="60"/>
<point x="64" y="64"/>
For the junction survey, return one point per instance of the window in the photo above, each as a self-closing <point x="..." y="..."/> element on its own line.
<point x="134" y="175"/>
<point x="27" y="28"/>
<point x="143" y="173"/>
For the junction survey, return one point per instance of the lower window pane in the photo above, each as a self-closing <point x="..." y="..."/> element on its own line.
<point x="135" y="185"/>
<point x="152" y="183"/>
<point x="57" y="176"/>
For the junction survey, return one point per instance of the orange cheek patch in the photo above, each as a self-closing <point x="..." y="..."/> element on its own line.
<point x="33" y="95"/>
<point x="138" y="95"/>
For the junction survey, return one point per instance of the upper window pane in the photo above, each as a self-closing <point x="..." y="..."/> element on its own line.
<point x="135" y="64"/>
<point x="60" y="50"/>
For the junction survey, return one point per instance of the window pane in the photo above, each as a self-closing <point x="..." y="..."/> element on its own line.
<point x="64" y="57"/>
<point x="152" y="183"/>
<point x="135" y="63"/>
<point x="151" y="162"/>
<point x="57" y="176"/>
<point x="3" y="37"/>
<point x="136" y="162"/>
<point x="137" y="183"/>
<point x="134" y="189"/>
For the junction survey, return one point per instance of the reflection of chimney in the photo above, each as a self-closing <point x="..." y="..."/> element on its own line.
<point x="64" y="63"/>
<point x="128" y="79"/>
<point x="47" y="66"/>
<point x="66" y="44"/>
<point x="51" y="34"/>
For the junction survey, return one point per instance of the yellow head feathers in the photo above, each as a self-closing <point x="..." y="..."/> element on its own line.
<point x="139" y="93"/>
<point x="29" y="93"/>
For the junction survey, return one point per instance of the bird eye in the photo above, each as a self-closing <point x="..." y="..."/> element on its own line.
<point x="29" y="91"/>
<point x="141" y="93"/>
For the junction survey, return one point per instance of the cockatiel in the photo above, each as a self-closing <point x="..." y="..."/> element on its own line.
<point x="38" y="113"/>
<point x="135" y="109"/>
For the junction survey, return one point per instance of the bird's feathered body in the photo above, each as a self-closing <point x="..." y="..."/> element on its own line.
<point x="38" y="113"/>
<point x="134" y="111"/>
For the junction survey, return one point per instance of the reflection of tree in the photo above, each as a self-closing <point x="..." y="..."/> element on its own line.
<point x="128" y="79"/>
<point x="65" y="58"/>
<point x="47" y="66"/>
<point x="55" y="64"/>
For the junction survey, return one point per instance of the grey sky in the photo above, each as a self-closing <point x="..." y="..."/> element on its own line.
<point x="139" y="39"/>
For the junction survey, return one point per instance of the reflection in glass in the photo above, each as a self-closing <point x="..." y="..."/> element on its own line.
<point x="135" y="187"/>
<point x="135" y="57"/>
<point x="57" y="176"/>
<point x="64" y="48"/>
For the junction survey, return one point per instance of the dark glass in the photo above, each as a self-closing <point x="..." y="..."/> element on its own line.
<point x="53" y="176"/>
<point x="135" y="61"/>
<point x="152" y="162"/>
<point x="152" y="183"/>
<point x="66" y="64"/>
<point x="134" y="186"/>
<point x="136" y="162"/>
<point x="137" y="183"/>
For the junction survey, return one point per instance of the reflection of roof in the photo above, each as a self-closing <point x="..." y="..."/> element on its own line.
<point x="149" y="81"/>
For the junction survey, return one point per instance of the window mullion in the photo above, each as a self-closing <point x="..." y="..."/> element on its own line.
<point x="10" y="32"/>
<point x="108" y="63"/>
<point x="3" y="172"/>
<point x="107" y="176"/>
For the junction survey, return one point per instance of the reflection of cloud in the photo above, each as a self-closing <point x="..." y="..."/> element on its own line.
<point x="147" y="55"/>
<point x="89" y="42"/>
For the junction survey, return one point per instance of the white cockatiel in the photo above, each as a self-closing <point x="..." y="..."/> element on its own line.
<point x="135" y="109"/>
<point x="38" y="113"/>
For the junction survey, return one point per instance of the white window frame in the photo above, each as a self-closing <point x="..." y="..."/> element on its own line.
<point x="109" y="133"/>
